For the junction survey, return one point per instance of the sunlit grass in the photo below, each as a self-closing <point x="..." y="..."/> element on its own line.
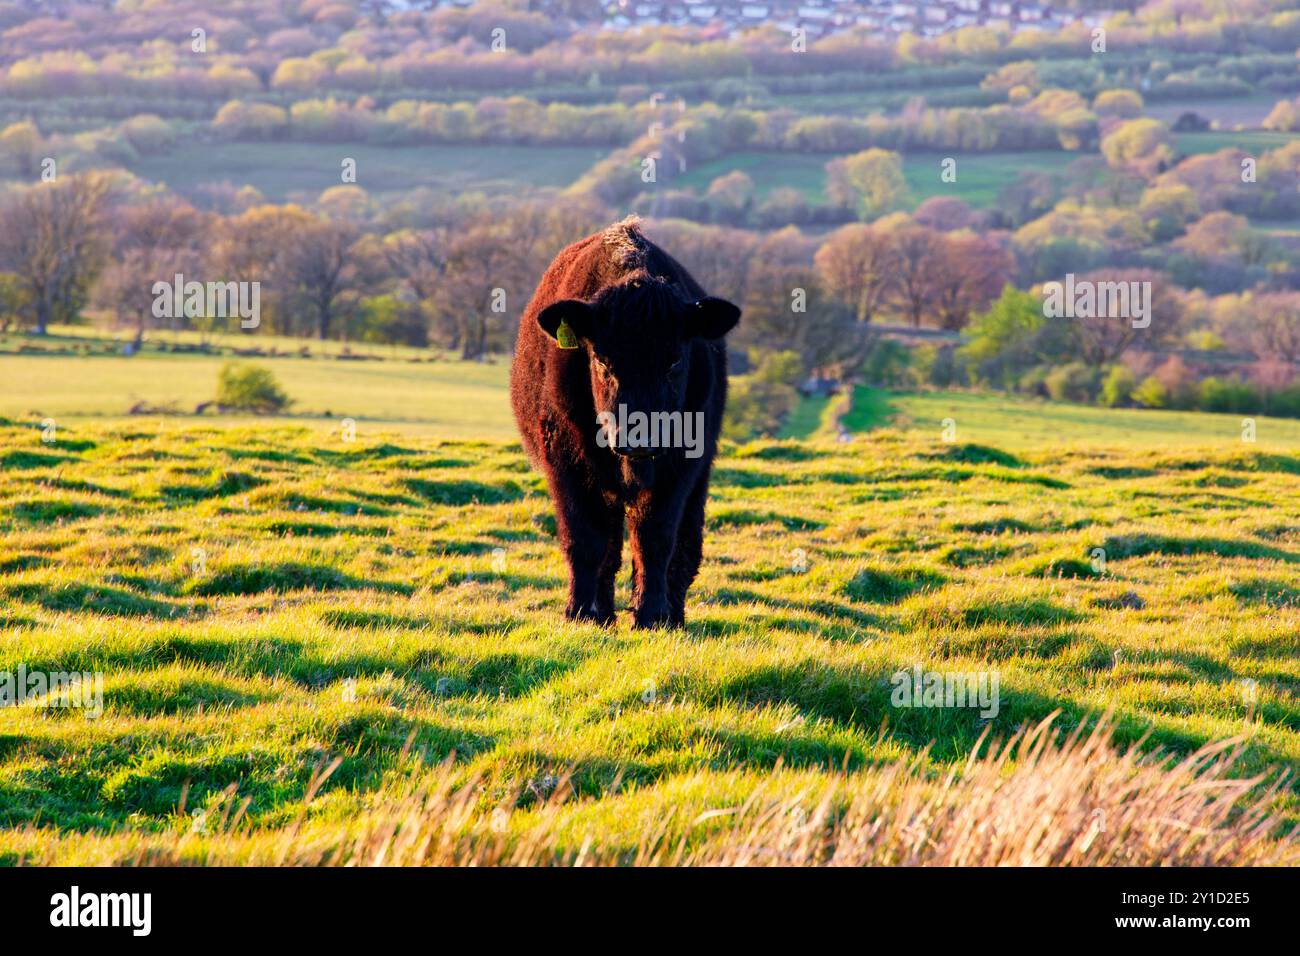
<point x="264" y="600"/>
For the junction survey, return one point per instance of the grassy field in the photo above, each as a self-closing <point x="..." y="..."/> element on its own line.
<point x="1229" y="112"/>
<point x="288" y="170"/>
<point x="267" y="603"/>
<point x="445" y="398"/>
<point x="980" y="176"/>
<point x="417" y="392"/>
<point x="1255" y="141"/>
<point x="1020" y="423"/>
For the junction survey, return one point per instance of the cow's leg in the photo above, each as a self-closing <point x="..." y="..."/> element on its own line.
<point x="688" y="553"/>
<point x="653" y="529"/>
<point x="588" y="528"/>
<point x="608" y="573"/>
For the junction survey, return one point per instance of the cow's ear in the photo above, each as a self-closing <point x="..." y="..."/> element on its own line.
<point x="711" y="318"/>
<point x="564" y="319"/>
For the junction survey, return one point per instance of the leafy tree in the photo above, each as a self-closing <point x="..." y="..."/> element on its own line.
<point x="1222" y="235"/>
<point x="1019" y="73"/>
<point x="1142" y="145"/>
<point x="386" y="318"/>
<point x="759" y="403"/>
<point x="13" y="299"/>
<point x="1284" y="117"/>
<point x="148" y="133"/>
<point x="1072" y="382"/>
<point x="1117" y="386"/>
<point x="731" y="196"/>
<point x="1151" y="393"/>
<point x="20" y="146"/>
<point x="870" y="182"/>
<point x="1125" y="104"/>
<point x="1011" y="337"/>
<point x="1014" y="317"/>
<point x="1166" y="210"/>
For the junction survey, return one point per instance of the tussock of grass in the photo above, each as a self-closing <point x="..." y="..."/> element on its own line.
<point x="871" y="585"/>
<point x="979" y="455"/>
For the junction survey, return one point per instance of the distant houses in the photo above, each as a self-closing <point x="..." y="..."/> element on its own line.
<point x="822" y="17"/>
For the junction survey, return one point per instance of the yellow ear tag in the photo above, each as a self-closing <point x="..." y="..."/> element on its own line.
<point x="565" y="336"/>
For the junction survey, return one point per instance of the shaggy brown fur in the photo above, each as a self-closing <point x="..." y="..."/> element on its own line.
<point x="648" y="340"/>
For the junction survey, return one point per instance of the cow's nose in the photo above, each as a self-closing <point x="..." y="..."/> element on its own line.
<point x="625" y="452"/>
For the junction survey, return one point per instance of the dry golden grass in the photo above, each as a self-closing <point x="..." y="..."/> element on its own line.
<point x="1039" y="799"/>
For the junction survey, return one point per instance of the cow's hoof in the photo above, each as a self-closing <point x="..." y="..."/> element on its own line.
<point x="586" y="614"/>
<point x="652" y="615"/>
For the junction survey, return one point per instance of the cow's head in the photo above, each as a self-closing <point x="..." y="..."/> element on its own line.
<point x="637" y="337"/>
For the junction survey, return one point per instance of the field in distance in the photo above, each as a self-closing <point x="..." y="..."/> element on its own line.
<point x="285" y="171"/>
<point x="403" y="391"/>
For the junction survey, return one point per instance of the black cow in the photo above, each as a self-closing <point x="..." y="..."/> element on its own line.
<point x="618" y="385"/>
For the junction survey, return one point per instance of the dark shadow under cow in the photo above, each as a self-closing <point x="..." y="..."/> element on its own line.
<point x="618" y="385"/>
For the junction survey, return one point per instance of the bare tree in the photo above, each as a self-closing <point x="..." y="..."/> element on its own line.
<point x="418" y="258"/>
<point x="1273" y="328"/>
<point x="152" y="242"/>
<point x="918" y="259"/>
<point x="481" y="261"/>
<point x="1101" y="339"/>
<point x="856" y="265"/>
<point x="52" y="237"/>
<point x="322" y="271"/>
<point x="975" y="268"/>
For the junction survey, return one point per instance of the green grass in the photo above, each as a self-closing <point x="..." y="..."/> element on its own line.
<point x="446" y="398"/>
<point x="1020" y="423"/>
<point x="812" y="417"/>
<point x="283" y="170"/>
<point x="230" y="583"/>
<point x="980" y="176"/>
<point x="805" y="172"/>
<point x="77" y="340"/>
<point x="1254" y="142"/>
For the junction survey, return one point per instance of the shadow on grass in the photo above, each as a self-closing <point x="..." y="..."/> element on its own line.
<point x="99" y="599"/>
<point x="284" y="577"/>
<point x="1141" y="545"/>
<point x="464" y="491"/>
<point x="850" y="616"/>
